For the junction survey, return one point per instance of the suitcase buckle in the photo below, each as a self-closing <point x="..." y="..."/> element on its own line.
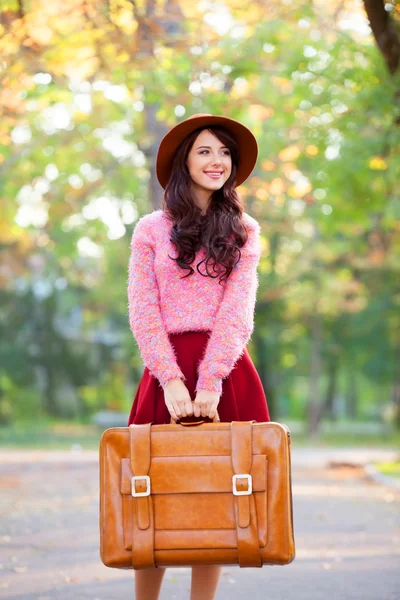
<point x="249" y="484"/>
<point x="139" y="494"/>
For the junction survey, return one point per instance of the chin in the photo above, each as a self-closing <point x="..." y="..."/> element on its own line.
<point x="212" y="185"/>
<point x="217" y="186"/>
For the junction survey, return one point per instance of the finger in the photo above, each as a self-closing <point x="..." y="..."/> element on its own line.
<point x="174" y="415"/>
<point x="213" y="411"/>
<point x="185" y="408"/>
<point x="180" y="410"/>
<point x="200" y="407"/>
<point x="175" y="408"/>
<point x="196" y="409"/>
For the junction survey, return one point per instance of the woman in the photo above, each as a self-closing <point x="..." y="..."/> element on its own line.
<point x="192" y="291"/>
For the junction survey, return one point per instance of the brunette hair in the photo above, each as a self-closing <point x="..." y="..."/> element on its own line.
<point x="222" y="231"/>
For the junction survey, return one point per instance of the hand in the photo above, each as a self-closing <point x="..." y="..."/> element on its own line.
<point x="206" y="404"/>
<point x="177" y="399"/>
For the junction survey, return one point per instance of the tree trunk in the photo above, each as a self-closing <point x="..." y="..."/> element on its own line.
<point x="50" y="391"/>
<point x="262" y="366"/>
<point x="171" y="23"/>
<point x="46" y="360"/>
<point x="314" y="406"/>
<point x="384" y="30"/>
<point x="396" y="390"/>
<point x="351" y="396"/>
<point x="329" y="408"/>
<point x="156" y="131"/>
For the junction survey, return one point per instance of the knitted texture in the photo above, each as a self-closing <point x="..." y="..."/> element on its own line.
<point x="161" y="302"/>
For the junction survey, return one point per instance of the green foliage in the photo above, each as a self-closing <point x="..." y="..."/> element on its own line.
<point x="82" y="115"/>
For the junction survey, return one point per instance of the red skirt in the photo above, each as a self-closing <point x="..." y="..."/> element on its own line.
<point x="242" y="399"/>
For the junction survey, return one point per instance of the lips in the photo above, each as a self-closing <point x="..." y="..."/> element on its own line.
<point x="214" y="174"/>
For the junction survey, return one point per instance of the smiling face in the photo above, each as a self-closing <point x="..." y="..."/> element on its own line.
<point x="209" y="163"/>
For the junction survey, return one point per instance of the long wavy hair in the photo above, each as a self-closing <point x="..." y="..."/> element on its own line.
<point x="222" y="231"/>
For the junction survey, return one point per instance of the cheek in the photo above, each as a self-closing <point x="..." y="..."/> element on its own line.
<point x="195" y="168"/>
<point x="194" y="164"/>
<point x="228" y="165"/>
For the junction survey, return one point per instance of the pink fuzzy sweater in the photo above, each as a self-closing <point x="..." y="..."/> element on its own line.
<point x="160" y="302"/>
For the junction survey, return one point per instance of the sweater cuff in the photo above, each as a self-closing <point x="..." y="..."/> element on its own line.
<point x="209" y="383"/>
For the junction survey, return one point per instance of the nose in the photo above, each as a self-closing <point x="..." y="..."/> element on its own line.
<point x="216" y="159"/>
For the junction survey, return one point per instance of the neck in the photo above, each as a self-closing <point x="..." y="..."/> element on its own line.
<point x="201" y="198"/>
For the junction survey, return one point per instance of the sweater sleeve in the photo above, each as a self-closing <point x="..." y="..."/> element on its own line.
<point x="234" y="322"/>
<point x="145" y="318"/>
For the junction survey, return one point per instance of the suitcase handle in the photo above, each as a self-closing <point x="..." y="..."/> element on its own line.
<point x="190" y="423"/>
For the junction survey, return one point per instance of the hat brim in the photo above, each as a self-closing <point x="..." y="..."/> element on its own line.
<point x="247" y="144"/>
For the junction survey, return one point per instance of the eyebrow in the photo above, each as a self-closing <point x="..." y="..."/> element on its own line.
<point x="209" y="147"/>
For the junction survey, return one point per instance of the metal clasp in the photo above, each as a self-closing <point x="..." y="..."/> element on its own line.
<point x="249" y="484"/>
<point x="136" y="478"/>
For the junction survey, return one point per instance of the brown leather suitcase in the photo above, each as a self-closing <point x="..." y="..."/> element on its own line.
<point x="208" y="494"/>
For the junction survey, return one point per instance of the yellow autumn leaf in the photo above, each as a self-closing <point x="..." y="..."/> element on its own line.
<point x="311" y="150"/>
<point x="214" y="52"/>
<point x="289" y="153"/>
<point x="83" y="70"/>
<point x="286" y="85"/>
<point x="377" y="163"/>
<point x="10" y="99"/>
<point x="256" y="181"/>
<point x="140" y="6"/>
<point x="277" y="186"/>
<point x="264" y="245"/>
<point x="258" y="111"/>
<point x="288" y="169"/>
<point x="41" y="34"/>
<point x="298" y="190"/>
<point x="123" y="58"/>
<point x="268" y="165"/>
<point x="240" y="89"/>
<point x="124" y="20"/>
<point x="261" y="194"/>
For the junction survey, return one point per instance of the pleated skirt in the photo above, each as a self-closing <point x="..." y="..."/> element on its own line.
<point x="242" y="399"/>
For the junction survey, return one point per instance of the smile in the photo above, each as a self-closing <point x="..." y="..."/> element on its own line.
<point x="214" y="174"/>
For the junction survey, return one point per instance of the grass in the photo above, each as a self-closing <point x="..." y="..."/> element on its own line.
<point x="66" y="435"/>
<point x="50" y="435"/>
<point x="391" y="469"/>
<point x="346" y="440"/>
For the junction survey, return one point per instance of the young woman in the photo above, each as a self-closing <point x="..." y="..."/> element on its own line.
<point x="192" y="291"/>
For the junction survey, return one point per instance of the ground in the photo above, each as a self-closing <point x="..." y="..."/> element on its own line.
<point x="347" y="533"/>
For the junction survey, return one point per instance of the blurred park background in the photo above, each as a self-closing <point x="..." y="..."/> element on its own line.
<point x="88" y="89"/>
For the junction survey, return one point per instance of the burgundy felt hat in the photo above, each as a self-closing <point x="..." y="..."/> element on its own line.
<point x="247" y="144"/>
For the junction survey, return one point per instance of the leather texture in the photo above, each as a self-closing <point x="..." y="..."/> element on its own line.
<point x="191" y="515"/>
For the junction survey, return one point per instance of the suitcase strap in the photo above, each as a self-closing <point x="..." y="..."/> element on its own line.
<point x="245" y="508"/>
<point x="142" y="506"/>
